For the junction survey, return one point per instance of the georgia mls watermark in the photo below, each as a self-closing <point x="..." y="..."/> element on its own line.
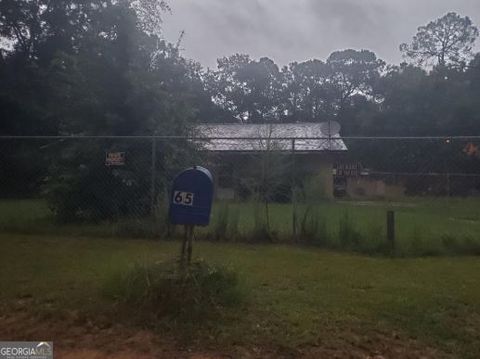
<point x="26" y="350"/>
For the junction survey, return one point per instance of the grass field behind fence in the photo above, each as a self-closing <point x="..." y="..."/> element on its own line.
<point x="429" y="226"/>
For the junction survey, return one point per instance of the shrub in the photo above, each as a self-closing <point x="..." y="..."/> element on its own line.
<point x="375" y="242"/>
<point x="233" y="225"/>
<point x="79" y="187"/>
<point x="470" y="246"/>
<point x="226" y="224"/>
<point x="166" y="290"/>
<point x="221" y="222"/>
<point x="261" y="231"/>
<point x="348" y="235"/>
<point x="450" y="243"/>
<point x="465" y="246"/>
<point x="420" y="245"/>
<point x="313" y="228"/>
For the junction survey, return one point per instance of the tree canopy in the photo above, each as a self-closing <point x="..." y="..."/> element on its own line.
<point x="446" y="41"/>
<point x="102" y="67"/>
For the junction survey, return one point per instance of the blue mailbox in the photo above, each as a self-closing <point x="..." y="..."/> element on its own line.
<point x="191" y="197"/>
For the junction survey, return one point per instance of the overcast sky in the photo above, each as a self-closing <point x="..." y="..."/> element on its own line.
<point x="297" y="30"/>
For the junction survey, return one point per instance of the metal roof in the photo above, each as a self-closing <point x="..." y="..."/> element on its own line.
<point x="262" y="137"/>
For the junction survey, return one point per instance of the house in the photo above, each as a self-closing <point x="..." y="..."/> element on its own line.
<point x="270" y="158"/>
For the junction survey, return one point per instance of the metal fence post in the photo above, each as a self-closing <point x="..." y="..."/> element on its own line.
<point x="154" y="176"/>
<point x="391" y="230"/>
<point x="294" y="194"/>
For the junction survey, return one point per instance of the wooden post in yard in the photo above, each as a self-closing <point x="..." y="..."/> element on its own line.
<point x="391" y="230"/>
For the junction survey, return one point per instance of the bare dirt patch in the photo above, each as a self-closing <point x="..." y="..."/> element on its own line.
<point x="76" y="338"/>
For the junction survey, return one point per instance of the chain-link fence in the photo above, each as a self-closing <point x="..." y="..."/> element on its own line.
<point x="329" y="192"/>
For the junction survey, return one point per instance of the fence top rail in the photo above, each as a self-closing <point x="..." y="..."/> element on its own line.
<point x="425" y="174"/>
<point x="232" y="138"/>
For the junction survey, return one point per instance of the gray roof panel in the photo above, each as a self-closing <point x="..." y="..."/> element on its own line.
<point x="262" y="137"/>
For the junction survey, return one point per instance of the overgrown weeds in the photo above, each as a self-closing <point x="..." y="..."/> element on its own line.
<point x="313" y="227"/>
<point x="348" y="234"/>
<point x="166" y="290"/>
<point x="261" y="227"/>
<point x="221" y="222"/>
<point x="461" y="246"/>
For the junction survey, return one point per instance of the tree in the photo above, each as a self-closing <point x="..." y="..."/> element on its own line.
<point x="446" y="41"/>
<point x="420" y="103"/>
<point x="248" y="89"/>
<point x="111" y="86"/>
<point x="93" y="67"/>
<point x="306" y="91"/>
<point x="352" y="73"/>
<point x="150" y="15"/>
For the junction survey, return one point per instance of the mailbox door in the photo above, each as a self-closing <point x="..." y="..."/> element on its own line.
<point x="191" y="197"/>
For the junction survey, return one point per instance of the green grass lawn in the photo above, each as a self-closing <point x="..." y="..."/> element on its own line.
<point x="423" y="226"/>
<point x="297" y="297"/>
<point x="427" y="226"/>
